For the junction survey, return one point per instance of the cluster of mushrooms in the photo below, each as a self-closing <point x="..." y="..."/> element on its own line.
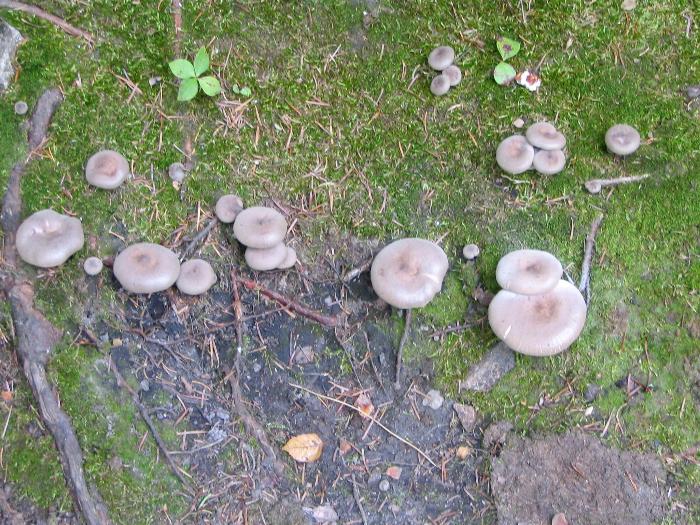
<point x="262" y="231"/>
<point x="537" y="312"/>
<point x="542" y="148"/>
<point x="442" y="59"/>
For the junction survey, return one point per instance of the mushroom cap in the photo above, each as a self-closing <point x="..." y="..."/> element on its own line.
<point x="408" y="273"/>
<point x="528" y="272"/>
<point x="228" y="207"/>
<point x="265" y="259"/>
<point x="440" y="85"/>
<point x="544" y="135"/>
<point x="539" y="325"/>
<point x="196" y="277"/>
<point x="46" y="238"/>
<point x="146" y="268"/>
<point x="106" y="169"/>
<point x="453" y="74"/>
<point x="622" y="139"/>
<point x="441" y="57"/>
<point x="93" y="265"/>
<point x="289" y="260"/>
<point x="549" y="162"/>
<point x="177" y="172"/>
<point x="470" y="251"/>
<point x="515" y="154"/>
<point x="260" y="227"/>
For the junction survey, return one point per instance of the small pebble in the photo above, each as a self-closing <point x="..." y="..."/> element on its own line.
<point x="433" y="399"/>
<point x="21" y="107"/>
<point x="145" y="385"/>
<point x="384" y="485"/>
<point x="518" y="123"/>
<point x="693" y="91"/>
<point x="177" y="171"/>
<point x="257" y="367"/>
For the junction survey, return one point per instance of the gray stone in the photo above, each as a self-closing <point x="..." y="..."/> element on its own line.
<point x="10" y="38"/>
<point x="496" y="433"/>
<point x="433" y="399"/>
<point x="592" y="392"/>
<point x="21" y="107"/>
<point x="384" y="485"/>
<point x="466" y="415"/>
<point x="493" y="366"/>
<point x="693" y="91"/>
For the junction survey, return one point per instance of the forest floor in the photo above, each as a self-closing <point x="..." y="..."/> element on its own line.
<point x="341" y="134"/>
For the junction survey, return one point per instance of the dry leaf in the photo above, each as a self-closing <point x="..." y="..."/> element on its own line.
<point x="559" y="519"/>
<point x="463" y="452"/>
<point x="6" y="395"/>
<point x="394" y="472"/>
<point x="304" y="447"/>
<point x="364" y="404"/>
<point x="344" y="446"/>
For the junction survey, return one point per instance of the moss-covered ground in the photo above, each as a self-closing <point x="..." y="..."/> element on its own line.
<point x="341" y="122"/>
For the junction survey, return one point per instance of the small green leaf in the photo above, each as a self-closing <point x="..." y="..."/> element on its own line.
<point x="236" y="89"/>
<point x="507" y="47"/>
<point x="201" y="61"/>
<point x="188" y="89"/>
<point x="210" y="86"/>
<point x="503" y="74"/>
<point x="246" y="92"/>
<point x="182" y="68"/>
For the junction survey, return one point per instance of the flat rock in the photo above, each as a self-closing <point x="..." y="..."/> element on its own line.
<point x="466" y="415"/>
<point x="10" y="38"/>
<point x="493" y="366"/>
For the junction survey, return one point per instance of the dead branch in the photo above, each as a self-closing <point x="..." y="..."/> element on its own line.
<point x="584" y="284"/>
<point x="35" y="336"/>
<point x="55" y="20"/>
<point x="197" y="239"/>
<point x="358" y="500"/>
<point x="325" y="320"/>
<point x="149" y="422"/>
<point x="597" y="185"/>
<point x="355" y="272"/>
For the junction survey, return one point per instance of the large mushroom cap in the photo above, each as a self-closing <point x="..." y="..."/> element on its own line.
<point x="196" y="277"/>
<point x="441" y="57"/>
<point x="264" y="259"/>
<point x="46" y="238"/>
<point x="260" y="227"/>
<point x="528" y="272"/>
<point x="106" y="169"/>
<point x="515" y="154"/>
<point x="453" y="74"/>
<point x="544" y="135"/>
<point x="440" y="85"/>
<point x="539" y="325"/>
<point x="549" y="162"/>
<point x="146" y="268"/>
<point x="228" y="207"/>
<point x="622" y="139"/>
<point x="408" y="273"/>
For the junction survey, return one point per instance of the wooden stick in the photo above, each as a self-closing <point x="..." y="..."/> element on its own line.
<point x="358" y="500"/>
<point x="325" y="320"/>
<point x="197" y="239"/>
<point x="584" y="284"/>
<point x="596" y="185"/>
<point x="371" y="418"/>
<point x="40" y="13"/>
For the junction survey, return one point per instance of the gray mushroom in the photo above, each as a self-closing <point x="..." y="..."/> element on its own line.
<point x="146" y="268"/>
<point x="528" y="272"/>
<point x="453" y="74"/>
<point x="47" y="239"/>
<point x="470" y="252"/>
<point x="290" y="259"/>
<point x="440" y="85"/>
<point x="196" y="277"/>
<point x="544" y="135"/>
<point x="260" y="227"/>
<point x="228" y="207"/>
<point x="441" y="57"/>
<point x="549" y="162"/>
<point x="106" y="169"/>
<point x="515" y="154"/>
<point x="93" y="265"/>
<point x="264" y="259"/>
<point x="622" y="139"/>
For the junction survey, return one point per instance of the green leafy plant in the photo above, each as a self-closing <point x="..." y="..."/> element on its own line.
<point x="243" y="91"/>
<point x="504" y="73"/>
<point x="191" y="79"/>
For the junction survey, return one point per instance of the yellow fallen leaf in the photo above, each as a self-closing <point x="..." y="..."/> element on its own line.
<point x="6" y="395"/>
<point x="304" y="447"/>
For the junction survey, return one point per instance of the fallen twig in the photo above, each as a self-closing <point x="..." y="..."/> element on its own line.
<point x="596" y="185"/>
<point x="358" y="500"/>
<point x="355" y="272"/>
<point x="325" y="320"/>
<point x="36" y="337"/>
<point x="584" y="284"/>
<point x="40" y="13"/>
<point x="371" y="418"/>
<point x="197" y="239"/>
<point x="402" y="343"/>
<point x="149" y="423"/>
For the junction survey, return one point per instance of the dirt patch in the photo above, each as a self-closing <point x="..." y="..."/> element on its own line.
<point x="533" y="479"/>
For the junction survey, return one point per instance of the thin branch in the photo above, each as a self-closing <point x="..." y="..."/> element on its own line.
<point x="584" y="284"/>
<point x="355" y="272"/>
<point x="197" y="239"/>
<point x="55" y="20"/>
<point x="371" y="418"/>
<point x="358" y="500"/>
<point x="597" y="185"/>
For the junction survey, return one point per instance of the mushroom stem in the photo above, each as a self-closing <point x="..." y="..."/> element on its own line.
<point x="402" y="343"/>
<point x="596" y="185"/>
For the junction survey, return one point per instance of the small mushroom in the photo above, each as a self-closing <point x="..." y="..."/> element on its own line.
<point x="264" y="259"/>
<point x="622" y="139"/>
<point x="441" y="57"/>
<point x="290" y="260"/>
<point x="260" y="227"/>
<point x="544" y="135"/>
<point x="515" y="154"/>
<point x="146" y="268"/>
<point x="440" y="85"/>
<point x="93" y="265"/>
<point x="407" y="274"/>
<point x="453" y="74"/>
<point x="106" y="169"/>
<point x="177" y="172"/>
<point x="470" y="251"/>
<point x="539" y="325"/>
<point x="47" y="239"/>
<point x="549" y="162"/>
<point x="228" y="207"/>
<point x="196" y="277"/>
<point x="528" y="272"/>
<point x="21" y="107"/>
